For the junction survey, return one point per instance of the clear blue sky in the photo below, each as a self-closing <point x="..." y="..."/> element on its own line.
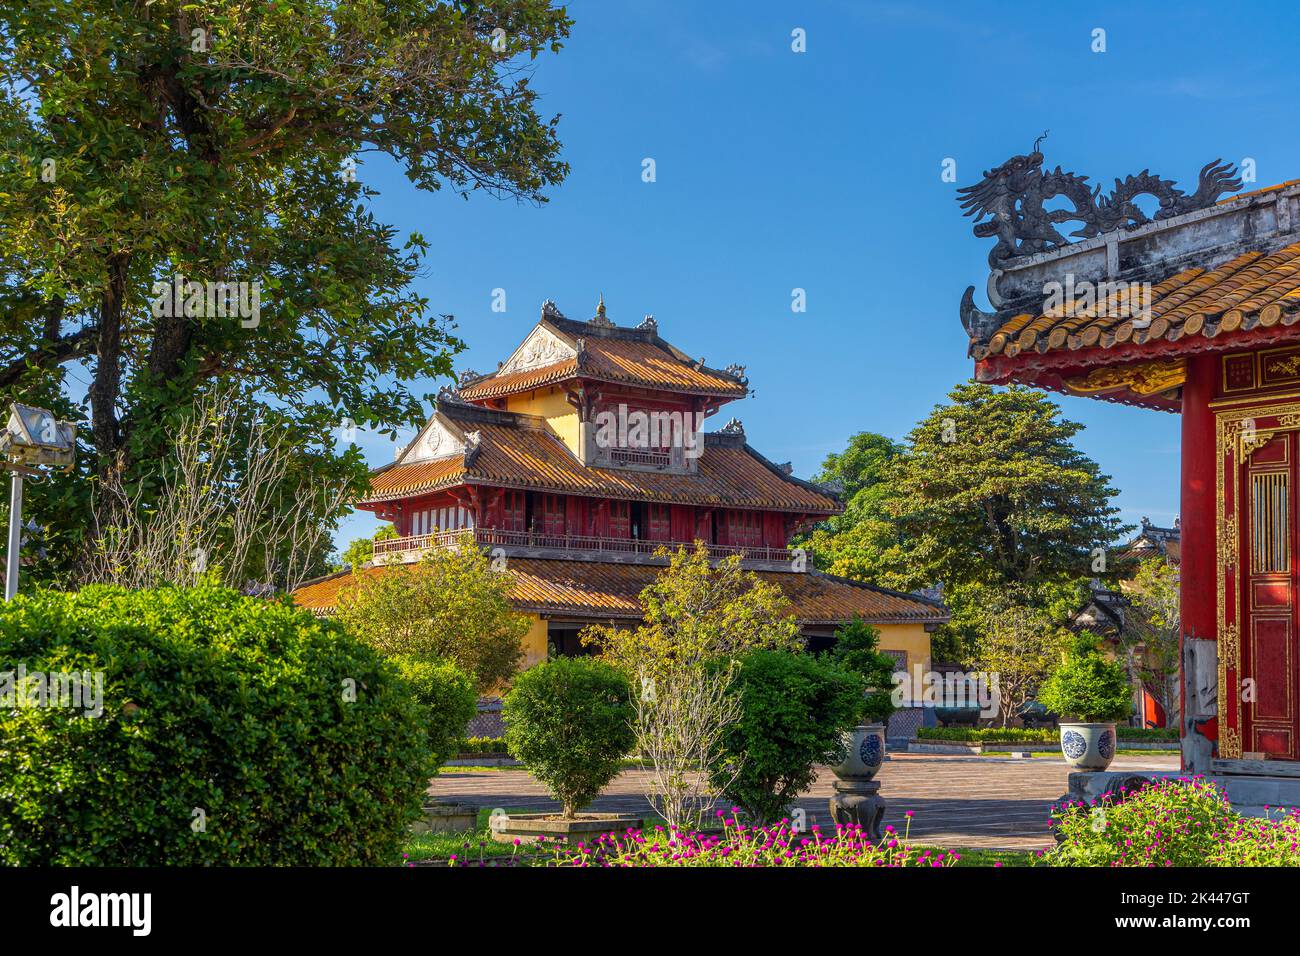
<point x="821" y="170"/>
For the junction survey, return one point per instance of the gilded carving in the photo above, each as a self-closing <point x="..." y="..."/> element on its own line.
<point x="1228" y="541"/>
<point x="1143" y="378"/>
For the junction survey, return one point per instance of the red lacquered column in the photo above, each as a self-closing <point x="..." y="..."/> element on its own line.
<point x="1198" y="597"/>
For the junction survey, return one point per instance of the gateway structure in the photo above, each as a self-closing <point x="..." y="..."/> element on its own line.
<point x="1184" y="302"/>
<point x="580" y="457"/>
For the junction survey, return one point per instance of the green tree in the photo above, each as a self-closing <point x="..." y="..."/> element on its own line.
<point x="450" y="605"/>
<point x="855" y="650"/>
<point x="570" y="721"/>
<point x="1018" y="643"/>
<point x="697" y="620"/>
<point x="695" y="612"/>
<point x="1152" y="631"/>
<point x="794" y="711"/>
<point x="217" y="142"/>
<point x="992" y="490"/>
<point x="361" y="550"/>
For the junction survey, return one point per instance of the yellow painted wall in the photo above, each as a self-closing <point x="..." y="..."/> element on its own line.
<point x="552" y="405"/>
<point x="914" y="639"/>
<point x="534" y="642"/>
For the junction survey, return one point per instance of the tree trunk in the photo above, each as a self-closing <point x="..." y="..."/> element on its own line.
<point x="105" y="388"/>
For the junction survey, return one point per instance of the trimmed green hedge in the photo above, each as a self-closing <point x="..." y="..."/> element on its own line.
<point x="484" y="745"/>
<point x="1024" y="735"/>
<point x="234" y="731"/>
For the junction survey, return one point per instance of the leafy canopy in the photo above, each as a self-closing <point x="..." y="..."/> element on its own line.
<point x="696" y="612"/>
<point x="225" y="142"/>
<point x="450" y="605"/>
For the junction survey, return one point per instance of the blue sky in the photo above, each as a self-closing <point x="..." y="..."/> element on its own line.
<point x="821" y="170"/>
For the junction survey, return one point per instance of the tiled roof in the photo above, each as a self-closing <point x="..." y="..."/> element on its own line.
<point x="524" y="454"/>
<point x="612" y="354"/>
<point x="1250" y="290"/>
<point x="602" y="591"/>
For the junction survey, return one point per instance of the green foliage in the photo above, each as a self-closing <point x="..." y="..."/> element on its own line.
<point x="1031" y="734"/>
<point x="794" y="709"/>
<point x="1153" y="630"/>
<point x="1086" y="685"/>
<point x="991" y="489"/>
<point x="570" y="721"/>
<point x="696" y="612"/>
<point x="361" y="550"/>
<point x="484" y="745"/>
<point x="299" y="744"/>
<point x="855" y="650"/>
<point x="451" y="605"/>
<point x="1170" y="823"/>
<point x="222" y="157"/>
<point x="1018" y="642"/>
<point x="448" y="699"/>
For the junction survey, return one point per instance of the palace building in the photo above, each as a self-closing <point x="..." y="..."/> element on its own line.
<point x="1192" y="307"/>
<point x="581" y="456"/>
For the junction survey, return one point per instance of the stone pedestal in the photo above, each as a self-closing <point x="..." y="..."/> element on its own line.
<point x="859" y="802"/>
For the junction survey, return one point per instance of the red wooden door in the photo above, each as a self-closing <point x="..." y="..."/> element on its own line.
<point x="1269" y="679"/>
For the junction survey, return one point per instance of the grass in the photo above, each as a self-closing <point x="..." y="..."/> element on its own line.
<point x="978" y="856"/>
<point x="474" y="845"/>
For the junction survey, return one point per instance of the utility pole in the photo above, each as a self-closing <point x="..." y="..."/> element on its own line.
<point x="12" y="559"/>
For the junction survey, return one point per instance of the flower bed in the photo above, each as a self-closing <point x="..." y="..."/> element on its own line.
<point x="1172" y="822"/>
<point x="740" y="845"/>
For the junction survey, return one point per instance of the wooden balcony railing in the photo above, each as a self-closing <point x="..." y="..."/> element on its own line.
<point x="491" y="537"/>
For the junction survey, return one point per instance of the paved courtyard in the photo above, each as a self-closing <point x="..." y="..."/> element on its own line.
<point x="992" y="802"/>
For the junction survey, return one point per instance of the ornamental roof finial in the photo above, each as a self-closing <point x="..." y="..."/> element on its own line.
<point x="600" y="318"/>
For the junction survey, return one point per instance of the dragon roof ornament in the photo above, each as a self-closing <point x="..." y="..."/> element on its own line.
<point x="1009" y="203"/>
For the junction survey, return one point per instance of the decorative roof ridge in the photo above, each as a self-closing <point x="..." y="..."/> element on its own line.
<point x="981" y="325"/>
<point x="467" y="411"/>
<point x="906" y="595"/>
<point x="784" y="475"/>
<point x="1014" y="194"/>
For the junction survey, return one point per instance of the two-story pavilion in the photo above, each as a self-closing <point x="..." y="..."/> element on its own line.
<point x="544" y="458"/>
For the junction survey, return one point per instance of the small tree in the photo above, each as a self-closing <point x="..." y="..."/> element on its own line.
<point x="794" y="710"/>
<point x="361" y="550"/>
<point x="1151" y="637"/>
<point x="697" y="618"/>
<point x="449" y="605"/>
<point x="696" y="612"/>
<point x="855" y="650"/>
<point x="1086" y="685"/>
<point x="570" y="721"/>
<point x="1018" y="645"/>
<point x="447" y="699"/>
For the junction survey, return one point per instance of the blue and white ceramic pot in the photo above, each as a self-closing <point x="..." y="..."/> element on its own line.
<point x="865" y="746"/>
<point x="1088" y="746"/>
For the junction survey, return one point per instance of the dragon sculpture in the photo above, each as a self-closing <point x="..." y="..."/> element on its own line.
<point x="1014" y="199"/>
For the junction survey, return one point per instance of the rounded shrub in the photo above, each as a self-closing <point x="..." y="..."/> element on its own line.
<point x="794" y="711"/>
<point x="570" y="721"/>
<point x="446" y="696"/>
<point x="231" y="731"/>
<point x="1087" y="686"/>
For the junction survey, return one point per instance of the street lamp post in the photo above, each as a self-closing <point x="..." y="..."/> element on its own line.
<point x="33" y="441"/>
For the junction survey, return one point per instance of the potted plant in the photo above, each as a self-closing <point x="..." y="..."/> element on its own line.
<point x="1096" y="692"/>
<point x="864" y="745"/>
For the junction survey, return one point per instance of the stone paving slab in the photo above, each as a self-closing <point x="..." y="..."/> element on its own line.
<point x="990" y="802"/>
